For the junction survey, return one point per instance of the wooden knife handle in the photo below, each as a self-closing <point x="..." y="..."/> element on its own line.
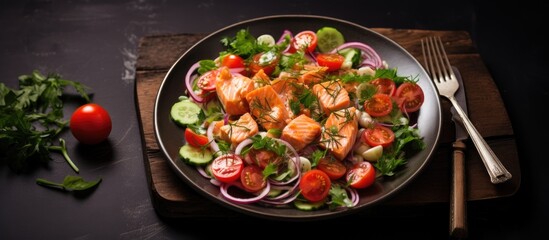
<point x="458" y="200"/>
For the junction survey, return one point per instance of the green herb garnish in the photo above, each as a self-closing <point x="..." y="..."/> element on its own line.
<point x="31" y="118"/>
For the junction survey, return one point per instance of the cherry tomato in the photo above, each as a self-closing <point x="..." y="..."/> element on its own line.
<point x="362" y="175"/>
<point x="233" y="61"/>
<point x="378" y="105"/>
<point x="378" y="135"/>
<point x="305" y="41"/>
<point x="90" y="124"/>
<point x="227" y="168"/>
<point x="206" y="81"/>
<point x="266" y="61"/>
<point x="331" y="60"/>
<point x="384" y="85"/>
<point x="195" y="139"/>
<point x="332" y="167"/>
<point x="409" y="97"/>
<point x="252" y="178"/>
<point x="315" y="185"/>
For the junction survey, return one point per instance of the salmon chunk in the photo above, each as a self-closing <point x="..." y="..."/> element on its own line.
<point x="267" y="108"/>
<point x="237" y="131"/>
<point x="261" y="79"/>
<point x="331" y="96"/>
<point x="231" y="91"/>
<point x="312" y="74"/>
<point x="301" y="131"/>
<point x="340" y="132"/>
<point x="286" y="88"/>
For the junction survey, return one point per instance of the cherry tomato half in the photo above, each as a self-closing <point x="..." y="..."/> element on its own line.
<point x="195" y="139"/>
<point x="306" y="41"/>
<point x="362" y="175"/>
<point x="206" y="81"/>
<point x="331" y="60"/>
<point x="266" y="61"/>
<point x="233" y="61"/>
<point x="409" y="97"/>
<point x="90" y="124"/>
<point x="315" y="185"/>
<point x="252" y="178"/>
<point x="332" y="167"/>
<point x="227" y="168"/>
<point x="378" y="105"/>
<point x="384" y="85"/>
<point x="378" y="135"/>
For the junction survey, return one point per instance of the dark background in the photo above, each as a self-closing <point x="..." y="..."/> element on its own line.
<point x="95" y="42"/>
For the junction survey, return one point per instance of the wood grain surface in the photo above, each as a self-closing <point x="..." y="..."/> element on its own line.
<point x="173" y="198"/>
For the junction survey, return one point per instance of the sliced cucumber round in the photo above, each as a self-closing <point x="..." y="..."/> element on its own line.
<point x="266" y="39"/>
<point x="195" y="156"/>
<point x="328" y="38"/>
<point x="185" y="112"/>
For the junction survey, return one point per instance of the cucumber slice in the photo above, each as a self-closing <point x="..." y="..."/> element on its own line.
<point x="185" y="112"/>
<point x="266" y="39"/>
<point x="328" y="38"/>
<point x="308" y="206"/>
<point x="195" y="156"/>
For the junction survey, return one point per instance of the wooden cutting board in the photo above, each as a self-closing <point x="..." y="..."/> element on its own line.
<point x="171" y="197"/>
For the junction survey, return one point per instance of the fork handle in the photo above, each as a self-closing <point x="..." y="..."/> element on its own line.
<point x="498" y="173"/>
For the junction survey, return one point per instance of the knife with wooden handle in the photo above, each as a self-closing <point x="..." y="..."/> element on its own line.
<point x="458" y="199"/>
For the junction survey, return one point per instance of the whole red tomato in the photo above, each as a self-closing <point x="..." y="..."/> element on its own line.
<point x="90" y="124"/>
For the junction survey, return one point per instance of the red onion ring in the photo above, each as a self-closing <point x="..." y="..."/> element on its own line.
<point x="280" y="202"/>
<point x="289" y="190"/>
<point x="224" y="190"/>
<point x="283" y="37"/>
<point x="241" y="146"/>
<point x="188" y="83"/>
<point x="297" y="163"/>
<point x="202" y="172"/>
<point x="370" y="56"/>
<point x="355" y="198"/>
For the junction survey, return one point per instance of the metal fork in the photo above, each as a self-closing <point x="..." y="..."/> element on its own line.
<point x="438" y="66"/>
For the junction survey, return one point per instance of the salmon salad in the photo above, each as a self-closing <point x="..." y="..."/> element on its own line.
<point x="304" y="119"/>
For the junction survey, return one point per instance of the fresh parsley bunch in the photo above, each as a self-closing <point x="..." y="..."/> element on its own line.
<point x="31" y="118"/>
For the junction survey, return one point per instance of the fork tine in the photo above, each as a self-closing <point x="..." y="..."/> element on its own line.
<point x="450" y="73"/>
<point x="431" y="60"/>
<point x="437" y="58"/>
<point x="436" y="61"/>
<point x="445" y="71"/>
<point x="439" y="48"/>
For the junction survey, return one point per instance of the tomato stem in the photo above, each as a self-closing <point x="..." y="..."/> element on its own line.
<point x="63" y="150"/>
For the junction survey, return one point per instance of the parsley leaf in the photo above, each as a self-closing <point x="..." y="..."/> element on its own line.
<point x="339" y="197"/>
<point x="408" y="141"/>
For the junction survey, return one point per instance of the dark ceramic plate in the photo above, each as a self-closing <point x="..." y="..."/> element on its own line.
<point x="170" y="136"/>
